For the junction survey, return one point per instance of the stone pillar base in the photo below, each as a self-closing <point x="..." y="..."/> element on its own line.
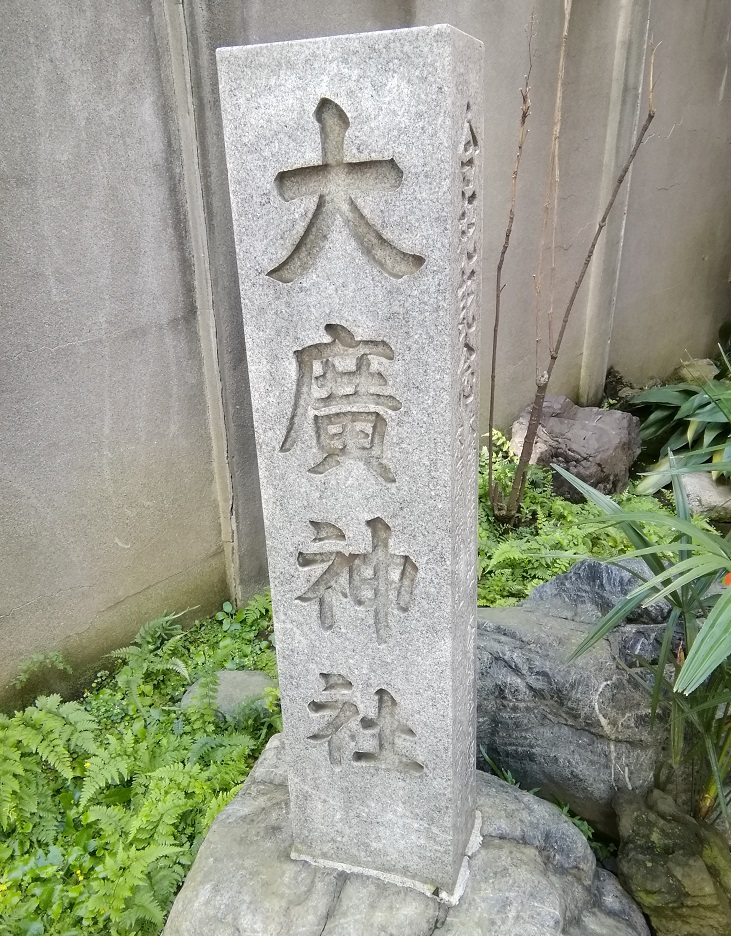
<point x="532" y="874"/>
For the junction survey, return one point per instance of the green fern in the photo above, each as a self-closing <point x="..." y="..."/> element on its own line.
<point x="511" y="562"/>
<point x="103" y="802"/>
<point x="103" y="770"/>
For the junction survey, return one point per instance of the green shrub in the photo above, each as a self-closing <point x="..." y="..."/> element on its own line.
<point x="104" y="802"/>
<point x="512" y="561"/>
<point x="694" y="682"/>
<point x="689" y="420"/>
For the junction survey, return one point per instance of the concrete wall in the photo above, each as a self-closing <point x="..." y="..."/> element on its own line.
<point x="109" y="511"/>
<point x="128" y="482"/>
<point x="655" y="219"/>
<point x="676" y="263"/>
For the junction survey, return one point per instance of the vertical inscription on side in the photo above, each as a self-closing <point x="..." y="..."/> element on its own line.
<point x="465" y="449"/>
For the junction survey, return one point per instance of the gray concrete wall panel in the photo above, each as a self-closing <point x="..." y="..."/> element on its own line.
<point x="675" y="272"/>
<point x="109" y="513"/>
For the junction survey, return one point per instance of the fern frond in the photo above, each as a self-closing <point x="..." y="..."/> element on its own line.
<point x="216" y="804"/>
<point x="205" y="696"/>
<point x="165" y="879"/>
<point x="11" y="772"/>
<point x="41" y="733"/>
<point x="159" y="819"/>
<point x="218" y="747"/>
<point x="156" y="632"/>
<point x="103" y="771"/>
<point x="81" y="727"/>
<point x="142" y="907"/>
<point x="177" y="666"/>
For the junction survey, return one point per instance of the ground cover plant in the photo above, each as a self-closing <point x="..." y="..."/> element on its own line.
<point x="104" y="801"/>
<point x="552" y="533"/>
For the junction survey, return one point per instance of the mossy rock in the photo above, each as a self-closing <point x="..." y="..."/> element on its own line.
<point x="678" y="870"/>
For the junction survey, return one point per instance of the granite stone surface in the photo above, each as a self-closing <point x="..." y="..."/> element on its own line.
<point x="532" y="875"/>
<point x="354" y="172"/>
<point x="707" y="498"/>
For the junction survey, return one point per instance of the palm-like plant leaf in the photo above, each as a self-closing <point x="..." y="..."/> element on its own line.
<point x="711" y="648"/>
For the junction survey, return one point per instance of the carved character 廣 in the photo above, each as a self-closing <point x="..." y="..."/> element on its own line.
<point x="350" y="413"/>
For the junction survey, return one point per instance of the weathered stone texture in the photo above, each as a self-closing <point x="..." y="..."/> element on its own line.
<point x="354" y="174"/>
<point x="708" y="498"/>
<point x="598" y="446"/>
<point x="678" y="870"/>
<point x="534" y="875"/>
<point x="579" y="731"/>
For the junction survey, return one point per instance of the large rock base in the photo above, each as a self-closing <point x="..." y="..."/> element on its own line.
<point x="533" y="875"/>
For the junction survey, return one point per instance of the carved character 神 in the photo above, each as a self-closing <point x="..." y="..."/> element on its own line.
<point x="373" y="579"/>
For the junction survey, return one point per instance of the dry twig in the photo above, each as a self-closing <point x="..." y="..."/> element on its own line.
<point x="522" y="135"/>
<point x="543" y="379"/>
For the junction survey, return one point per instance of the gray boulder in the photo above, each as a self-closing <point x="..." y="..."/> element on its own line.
<point x="235" y="688"/>
<point x="579" y="731"/>
<point x="708" y="498"/>
<point x="591" y="588"/>
<point x="596" y="445"/>
<point x="533" y="875"/>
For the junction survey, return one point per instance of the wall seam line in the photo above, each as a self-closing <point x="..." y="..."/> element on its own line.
<point x="597" y="332"/>
<point x="177" y="31"/>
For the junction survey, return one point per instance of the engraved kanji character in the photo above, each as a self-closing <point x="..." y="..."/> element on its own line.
<point x="339" y="730"/>
<point x="344" y="730"/>
<point x="371" y="580"/>
<point x="467" y="291"/>
<point x="389" y="732"/>
<point x="333" y="181"/>
<point x="348" y="424"/>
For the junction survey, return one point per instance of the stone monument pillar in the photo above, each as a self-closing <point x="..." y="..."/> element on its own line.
<point x="354" y="171"/>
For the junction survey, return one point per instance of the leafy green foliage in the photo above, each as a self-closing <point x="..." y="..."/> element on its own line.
<point x="104" y="801"/>
<point x="553" y="533"/>
<point x="694" y="683"/>
<point x="692" y="422"/>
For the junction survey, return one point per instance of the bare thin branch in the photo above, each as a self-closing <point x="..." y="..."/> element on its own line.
<point x="516" y="491"/>
<point x="554" y="154"/>
<point x="522" y="136"/>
